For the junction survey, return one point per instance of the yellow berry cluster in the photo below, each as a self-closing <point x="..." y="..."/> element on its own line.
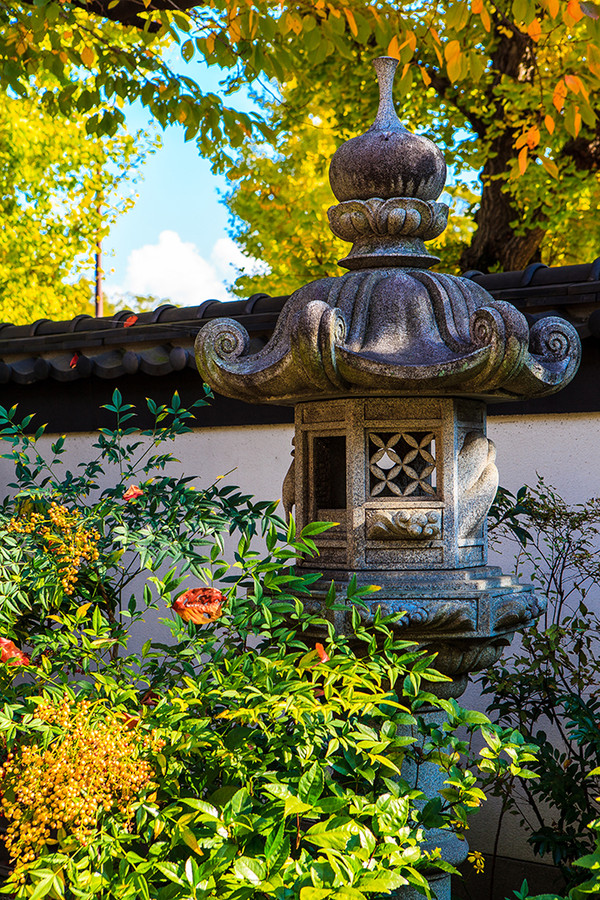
<point x="95" y="765"/>
<point x="64" y="536"/>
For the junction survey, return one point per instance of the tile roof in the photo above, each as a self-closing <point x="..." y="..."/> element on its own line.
<point x="160" y="342"/>
<point x="157" y="342"/>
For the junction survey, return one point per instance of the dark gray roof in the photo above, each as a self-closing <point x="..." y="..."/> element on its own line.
<point x="155" y="343"/>
<point x="161" y="342"/>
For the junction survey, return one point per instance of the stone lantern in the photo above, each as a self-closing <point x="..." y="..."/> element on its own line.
<point x="389" y="368"/>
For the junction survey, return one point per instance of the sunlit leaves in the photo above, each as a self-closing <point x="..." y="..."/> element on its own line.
<point x="60" y="190"/>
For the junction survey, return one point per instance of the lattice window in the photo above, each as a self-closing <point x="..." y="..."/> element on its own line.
<point x="402" y="464"/>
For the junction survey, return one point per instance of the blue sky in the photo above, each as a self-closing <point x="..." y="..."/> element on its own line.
<point x="174" y="242"/>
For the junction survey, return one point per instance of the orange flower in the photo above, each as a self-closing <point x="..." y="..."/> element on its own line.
<point x="323" y="656"/>
<point x="200" y="605"/>
<point x="132" y="493"/>
<point x="10" y="653"/>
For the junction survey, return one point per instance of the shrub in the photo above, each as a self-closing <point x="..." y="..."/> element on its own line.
<point x="550" y="687"/>
<point x="231" y="759"/>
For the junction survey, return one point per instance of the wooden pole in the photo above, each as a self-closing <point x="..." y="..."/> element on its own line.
<point x="98" y="293"/>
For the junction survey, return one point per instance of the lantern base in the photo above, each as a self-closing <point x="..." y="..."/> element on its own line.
<point x="466" y="616"/>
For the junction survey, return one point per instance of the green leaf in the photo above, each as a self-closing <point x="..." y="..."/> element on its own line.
<point x="249" y="870"/>
<point x="311" y="784"/>
<point x="331" y="834"/>
<point x="316" y="528"/>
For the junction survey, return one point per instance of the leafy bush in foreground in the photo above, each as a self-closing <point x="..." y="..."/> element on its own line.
<point x="231" y="759"/>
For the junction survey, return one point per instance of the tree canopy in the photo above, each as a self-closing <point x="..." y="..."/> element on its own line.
<point x="57" y="201"/>
<point x="510" y="88"/>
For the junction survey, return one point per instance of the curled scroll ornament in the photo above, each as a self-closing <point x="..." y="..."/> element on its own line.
<point x="224" y="338"/>
<point x="314" y="335"/>
<point x="504" y="332"/>
<point x="554" y="338"/>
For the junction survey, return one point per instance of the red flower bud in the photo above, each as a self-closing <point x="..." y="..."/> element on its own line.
<point x="323" y="656"/>
<point x="200" y="605"/>
<point x="10" y="653"/>
<point x="132" y="493"/>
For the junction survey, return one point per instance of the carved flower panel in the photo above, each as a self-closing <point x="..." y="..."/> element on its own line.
<point x="402" y="464"/>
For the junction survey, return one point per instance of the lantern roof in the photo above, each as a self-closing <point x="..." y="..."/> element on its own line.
<point x="390" y="326"/>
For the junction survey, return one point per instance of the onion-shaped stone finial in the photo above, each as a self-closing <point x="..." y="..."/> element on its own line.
<point x="387" y="161"/>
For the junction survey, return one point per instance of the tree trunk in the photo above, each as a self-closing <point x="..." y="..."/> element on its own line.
<point x="495" y="246"/>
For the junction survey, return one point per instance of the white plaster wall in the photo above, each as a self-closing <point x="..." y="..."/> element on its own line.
<point x="256" y="457"/>
<point x="565" y="449"/>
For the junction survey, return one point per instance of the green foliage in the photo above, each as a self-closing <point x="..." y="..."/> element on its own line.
<point x="513" y="88"/>
<point x="60" y="191"/>
<point x="275" y="765"/>
<point x="550" y="687"/>
<point x="589" y="882"/>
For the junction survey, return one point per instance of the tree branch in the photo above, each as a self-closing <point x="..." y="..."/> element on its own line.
<point x="127" y="12"/>
<point x="443" y="88"/>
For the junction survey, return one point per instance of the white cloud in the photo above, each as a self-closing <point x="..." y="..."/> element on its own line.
<point x="174" y="270"/>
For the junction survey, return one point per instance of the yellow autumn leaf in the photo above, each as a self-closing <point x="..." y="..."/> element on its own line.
<point x="394" y="48"/>
<point x="452" y="51"/>
<point x="476" y="7"/>
<point x="486" y="19"/>
<point x="560" y="93"/>
<point x="553" y="7"/>
<point x="550" y="124"/>
<point x="351" y="21"/>
<point x="574" y="10"/>
<point x="534" y="30"/>
<point x="87" y="56"/>
<point x="235" y="32"/>
<point x="523" y="160"/>
<point x="573" y="83"/>
<point x="577" y="121"/>
<point x="533" y="137"/>
<point x="425" y="77"/>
